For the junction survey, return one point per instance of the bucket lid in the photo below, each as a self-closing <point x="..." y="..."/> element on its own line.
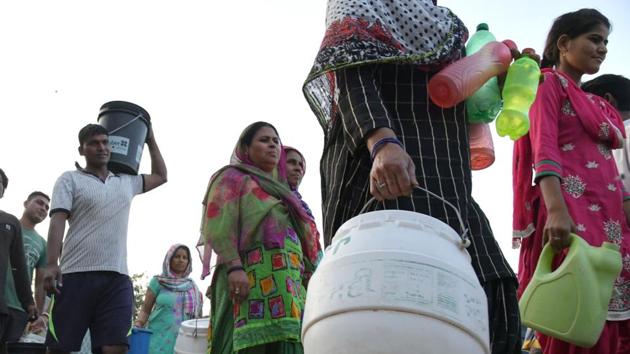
<point x="125" y="106"/>
<point x="393" y="215"/>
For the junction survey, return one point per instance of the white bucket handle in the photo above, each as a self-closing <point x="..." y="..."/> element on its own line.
<point x="464" y="235"/>
<point x="126" y="124"/>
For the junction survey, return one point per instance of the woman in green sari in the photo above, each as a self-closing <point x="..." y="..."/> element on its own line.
<point x="260" y="233"/>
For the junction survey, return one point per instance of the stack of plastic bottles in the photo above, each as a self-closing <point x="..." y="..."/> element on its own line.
<point x="474" y="79"/>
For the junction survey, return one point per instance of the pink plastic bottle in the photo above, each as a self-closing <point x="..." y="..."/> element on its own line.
<point x="462" y="78"/>
<point x="481" y="146"/>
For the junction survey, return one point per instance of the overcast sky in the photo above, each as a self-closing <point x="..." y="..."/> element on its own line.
<point x="204" y="70"/>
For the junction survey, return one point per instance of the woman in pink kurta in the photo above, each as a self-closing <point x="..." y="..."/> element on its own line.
<point x="576" y="184"/>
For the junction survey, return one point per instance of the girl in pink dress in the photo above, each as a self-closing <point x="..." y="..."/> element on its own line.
<point x="576" y="186"/>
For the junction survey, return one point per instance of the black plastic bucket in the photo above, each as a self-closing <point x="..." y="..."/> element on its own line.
<point x="128" y="126"/>
<point x="26" y="348"/>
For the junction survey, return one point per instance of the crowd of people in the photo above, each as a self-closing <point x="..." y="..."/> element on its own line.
<point x="382" y="137"/>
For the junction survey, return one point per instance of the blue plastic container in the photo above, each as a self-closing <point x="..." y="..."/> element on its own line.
<point x="139" y="341"/>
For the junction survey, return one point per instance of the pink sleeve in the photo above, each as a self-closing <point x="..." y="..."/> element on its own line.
<point x="543" y="131"/>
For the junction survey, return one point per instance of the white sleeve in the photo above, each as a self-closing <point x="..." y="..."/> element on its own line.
<point x="62" y="196"/>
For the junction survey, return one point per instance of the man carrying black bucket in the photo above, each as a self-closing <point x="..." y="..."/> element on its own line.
<point x="95" y="291"/>
<point x="12" y="254"/>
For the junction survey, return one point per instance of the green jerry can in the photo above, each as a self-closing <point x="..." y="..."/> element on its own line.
<point x="571" y="303"/>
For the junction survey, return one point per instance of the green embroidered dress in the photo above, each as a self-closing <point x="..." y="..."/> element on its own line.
<point x="256" y="218"/>
<point x="274" y="265"/>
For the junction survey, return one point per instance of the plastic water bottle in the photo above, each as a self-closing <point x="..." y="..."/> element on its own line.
<point x="481" y="146"/>
<point x="462" y="78"/>
<point x="484" y="105"/>
<point x="519" y="92"/>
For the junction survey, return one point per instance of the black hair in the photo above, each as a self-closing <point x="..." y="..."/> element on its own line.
<point x="572" y="24"/>
<point x="5" y="179"/>
<point x="91" y="130"/>
<point x="616" y="85"/>
<point x="37" y="194"/>
<point x="252" y="129"/>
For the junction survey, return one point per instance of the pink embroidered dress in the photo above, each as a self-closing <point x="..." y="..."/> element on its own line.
<point x="571" y="137"/>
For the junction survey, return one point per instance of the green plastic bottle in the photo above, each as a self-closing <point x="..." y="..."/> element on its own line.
<point x="571" y="303"/>
<point x="519" y="92"/>
<point x="484" y="105"/>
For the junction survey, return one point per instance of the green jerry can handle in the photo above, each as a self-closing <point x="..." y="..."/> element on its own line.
<point x="546" y="256"/>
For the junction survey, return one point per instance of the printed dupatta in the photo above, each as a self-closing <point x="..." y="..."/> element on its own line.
<point x="385" y="31"/>
<point x="599" y="119"/>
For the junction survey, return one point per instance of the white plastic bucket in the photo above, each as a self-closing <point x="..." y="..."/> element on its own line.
<point x="192" y="337"/>
<point x="395" y="282"/>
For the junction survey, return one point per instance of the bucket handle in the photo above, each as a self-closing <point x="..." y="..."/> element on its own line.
<point x="464" y="235"/>
<point x="126" y="124"/>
